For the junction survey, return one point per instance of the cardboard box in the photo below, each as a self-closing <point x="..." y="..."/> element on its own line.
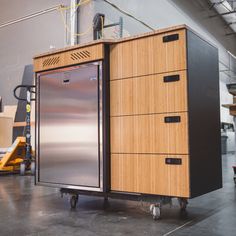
<point x="6" y="132"/>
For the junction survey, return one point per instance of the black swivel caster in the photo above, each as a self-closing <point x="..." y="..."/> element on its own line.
<point x="74" y="201"/>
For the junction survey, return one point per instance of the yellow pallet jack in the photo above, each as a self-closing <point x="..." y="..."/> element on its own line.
<point x="20" y="157"/>
<point x="28" y="162"/>
<point x="12" y="157"/>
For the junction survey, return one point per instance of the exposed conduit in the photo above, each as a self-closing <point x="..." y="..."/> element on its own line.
<point x="30" y="16"/>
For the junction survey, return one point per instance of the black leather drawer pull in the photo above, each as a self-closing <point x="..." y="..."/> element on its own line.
<point x="173" y="161"/>
<point x="171" y="78"/>
<point x="172" y="119"/>
<point x="169" y="38"/>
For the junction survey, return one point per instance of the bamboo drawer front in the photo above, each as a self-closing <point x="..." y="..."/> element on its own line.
<point x="149" y="174"/>
<point x="155" y="133"/>
<point x="148" y="55"/>
<point x="158" y="93"/>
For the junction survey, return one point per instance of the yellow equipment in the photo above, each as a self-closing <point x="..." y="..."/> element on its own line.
<point x="13" y="156"/>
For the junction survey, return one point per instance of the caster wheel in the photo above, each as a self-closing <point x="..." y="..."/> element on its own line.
<point x="183" y="204"/>
<point x="73" y="201"/>
<point x="22" y="168"/>
<point x="32" y="168"/>
<point x="155" y="211"/>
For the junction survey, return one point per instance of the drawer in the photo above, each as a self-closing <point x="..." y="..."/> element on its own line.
<point x="148" y="55"/>
<point x="158" y="93"/>
<point x="150" y="174"/>
<point x="157" y="133"/>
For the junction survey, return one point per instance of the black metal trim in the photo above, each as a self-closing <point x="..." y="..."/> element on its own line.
<point x="118" y="195"/>
<point x="106" y="121"/>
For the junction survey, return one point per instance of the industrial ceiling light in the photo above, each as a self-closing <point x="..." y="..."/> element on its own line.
<point x="231" y="88"/>
<point x="227" y="10"/>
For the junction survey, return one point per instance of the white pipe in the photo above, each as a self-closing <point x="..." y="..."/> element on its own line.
<point x="30" y="16"/>
<point x="73" y="20"/>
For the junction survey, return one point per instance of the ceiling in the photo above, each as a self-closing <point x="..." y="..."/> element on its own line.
<point x="227" y="10"/>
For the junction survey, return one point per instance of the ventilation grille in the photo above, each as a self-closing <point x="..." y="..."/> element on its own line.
<point x="51" y="61"/>
<point x="81" y="55"/>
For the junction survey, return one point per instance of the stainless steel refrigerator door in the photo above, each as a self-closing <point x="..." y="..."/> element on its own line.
<point x="68" y="127"/>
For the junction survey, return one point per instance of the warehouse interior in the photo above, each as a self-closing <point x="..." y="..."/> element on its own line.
<point x="155" y="117"/>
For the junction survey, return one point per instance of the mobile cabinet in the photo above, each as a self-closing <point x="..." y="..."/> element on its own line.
<point x="132" y="118"/>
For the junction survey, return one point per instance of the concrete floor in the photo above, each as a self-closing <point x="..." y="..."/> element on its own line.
<point x="29" y="210"/>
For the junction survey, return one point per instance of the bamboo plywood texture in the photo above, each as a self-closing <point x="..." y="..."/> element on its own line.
<point x="150" y="174"/>
<point x="149" y="134"/>
<point x="148" y="94"/>
<point x="148" y="55"/>
<point x="72" y="57"/>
